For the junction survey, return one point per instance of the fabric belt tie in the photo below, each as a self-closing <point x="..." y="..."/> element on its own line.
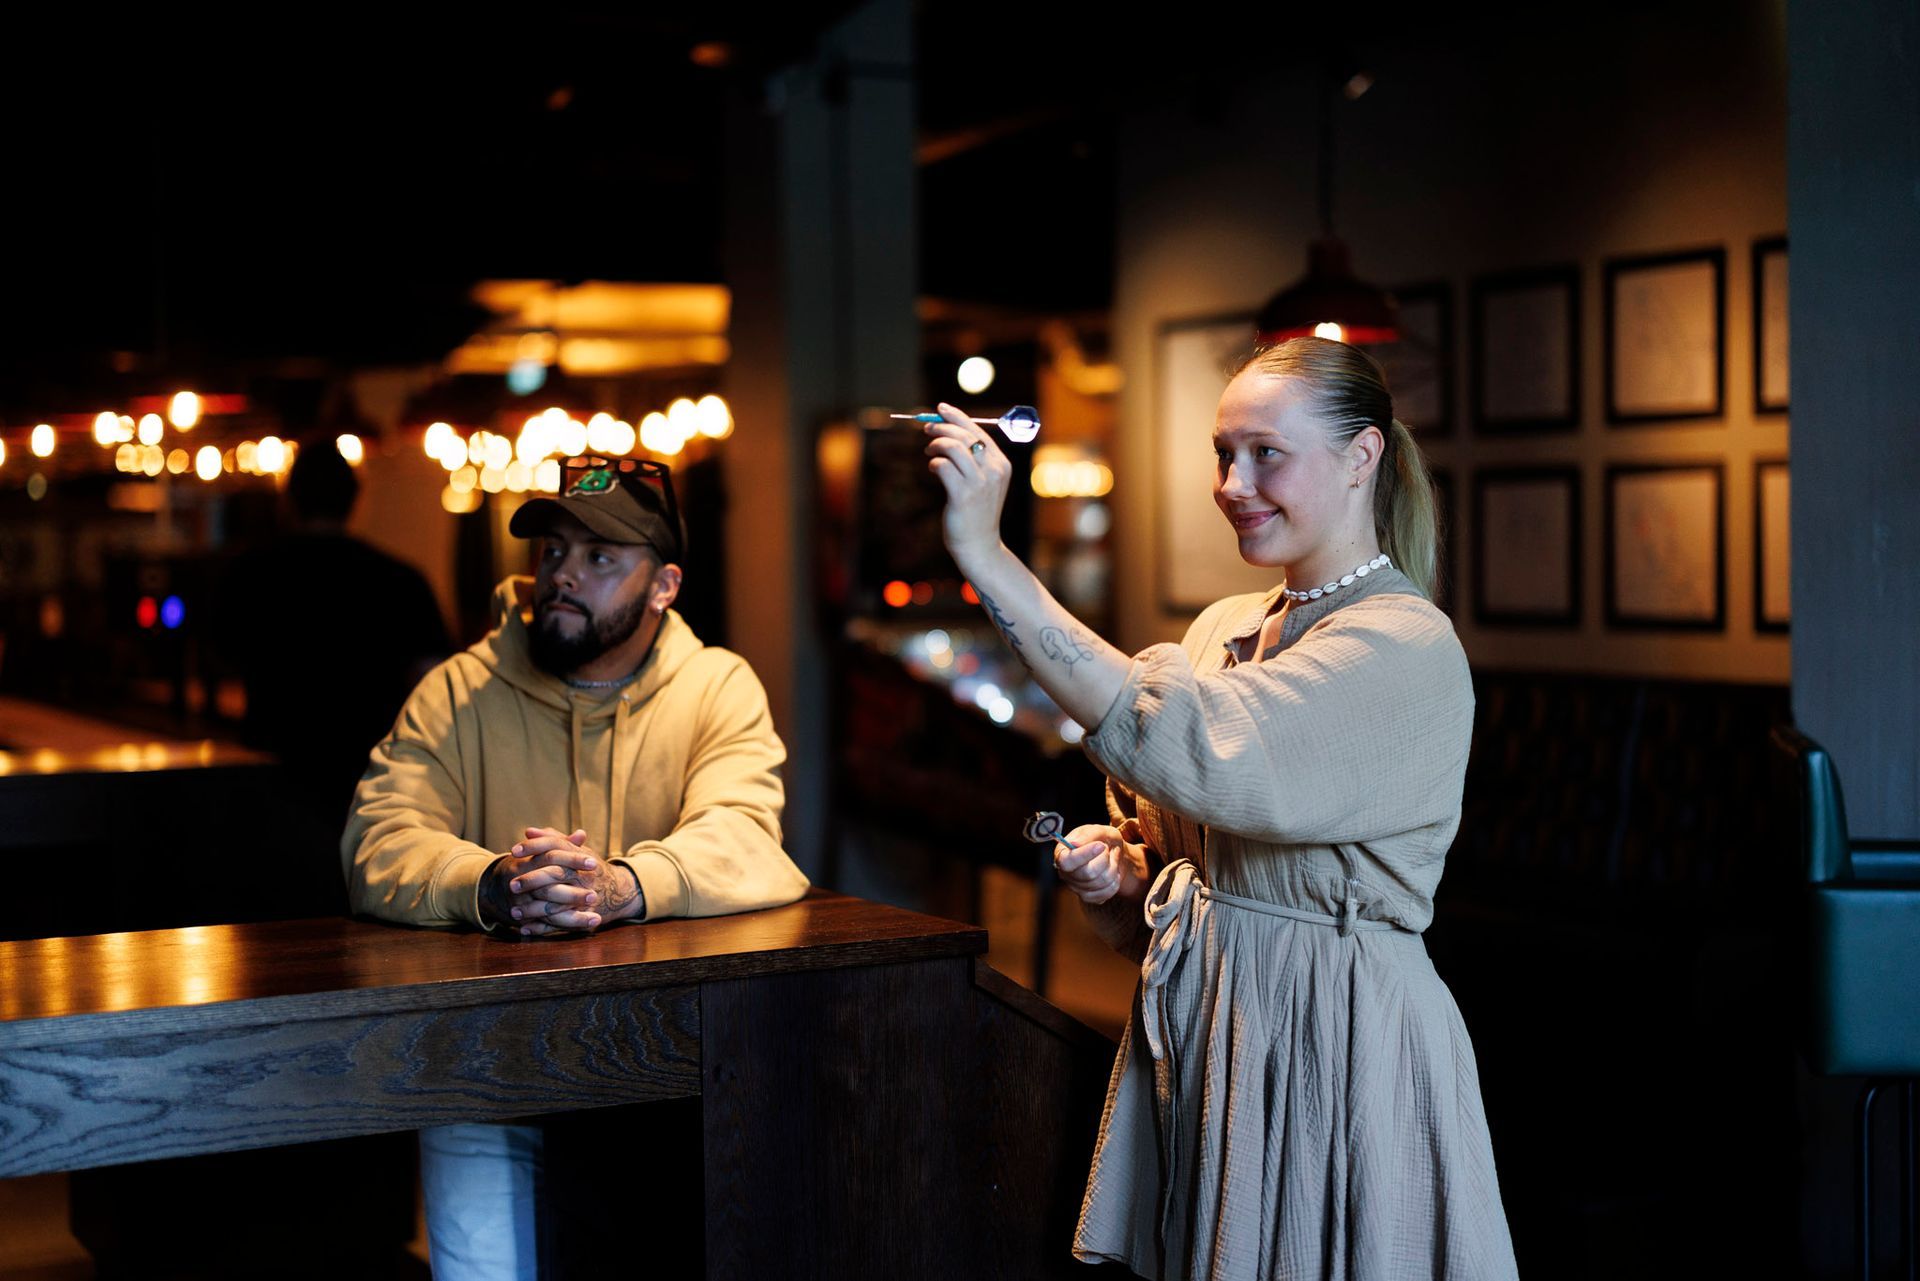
<point x="1175" y="914"/>
<point x="1176" y="911"/>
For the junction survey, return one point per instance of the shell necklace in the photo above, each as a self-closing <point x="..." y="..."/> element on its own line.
<point x="1378" y="562"/>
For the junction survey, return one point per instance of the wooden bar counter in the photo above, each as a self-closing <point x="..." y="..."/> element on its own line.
<point x="872" y="1098"/>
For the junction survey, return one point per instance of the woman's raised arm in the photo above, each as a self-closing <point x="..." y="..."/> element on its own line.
<point x="1080" y="671"/>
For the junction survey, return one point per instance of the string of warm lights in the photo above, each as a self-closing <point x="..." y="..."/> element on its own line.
<point x="484" y="462"/>
<point x="480" y="462"/>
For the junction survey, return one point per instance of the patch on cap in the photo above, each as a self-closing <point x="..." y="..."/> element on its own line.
<point x="598" y="481"/>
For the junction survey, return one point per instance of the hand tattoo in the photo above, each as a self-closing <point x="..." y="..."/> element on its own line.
<point x="1000" y="620"/>
<point x="1064" y="646"/>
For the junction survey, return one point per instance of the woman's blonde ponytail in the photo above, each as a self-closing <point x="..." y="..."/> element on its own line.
<point x="1404" y="516"/>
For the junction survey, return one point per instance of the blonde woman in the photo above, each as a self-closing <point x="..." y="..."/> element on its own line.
<point x="1295" y="1093"/>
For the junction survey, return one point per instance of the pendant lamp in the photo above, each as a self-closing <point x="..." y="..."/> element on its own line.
<point x="1329" y="301"/>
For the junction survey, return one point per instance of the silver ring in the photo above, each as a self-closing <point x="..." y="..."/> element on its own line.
<point x="979" y="447"/>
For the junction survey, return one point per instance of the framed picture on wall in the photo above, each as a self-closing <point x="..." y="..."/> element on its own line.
<point x="1419" y="365"/>
<point x="1770" y="325"/>
<point x="1526" y="351"/>
<point x="1772" y="548"/>
<point x="1666" y="546"/>
<point x="1665" y="336"/>
<point x="1197" y="560"/>
<point x="1526" y="546"/>
<point x="1445" y="577"/>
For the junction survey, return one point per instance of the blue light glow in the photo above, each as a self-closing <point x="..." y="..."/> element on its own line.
<point x="524" y="377"/>
<point x="173" y="612"/>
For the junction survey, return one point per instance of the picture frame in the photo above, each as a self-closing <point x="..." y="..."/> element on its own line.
<point x="1419" y="364"/>
<point x="1770" y="365"/>
<point x="1772" y="547"/>
<point x="1525" y="337"/>
<point x="1665" y="546"/>
<point x="1665" y="337"/>
<point x="1526" y="546"/>
<point x="1195" y="556"/>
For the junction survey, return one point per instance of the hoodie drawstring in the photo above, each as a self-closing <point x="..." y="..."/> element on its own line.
<point x="615" y="788"/>
<point x="573" y="769"/>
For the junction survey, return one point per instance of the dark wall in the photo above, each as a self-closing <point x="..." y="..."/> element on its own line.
<point x="1853" y="154"/>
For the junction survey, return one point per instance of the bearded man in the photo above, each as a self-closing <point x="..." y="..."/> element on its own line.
<point x="599" y="765"/>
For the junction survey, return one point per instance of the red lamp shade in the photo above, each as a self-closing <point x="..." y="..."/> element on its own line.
<point x="1329" y="294"/>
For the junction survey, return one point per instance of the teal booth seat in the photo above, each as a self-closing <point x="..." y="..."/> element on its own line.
<point x="1863" y="968"/>
<point x="1863" y="932"/>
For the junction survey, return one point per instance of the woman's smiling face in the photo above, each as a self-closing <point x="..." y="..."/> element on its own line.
<point x="1275" y="478"/>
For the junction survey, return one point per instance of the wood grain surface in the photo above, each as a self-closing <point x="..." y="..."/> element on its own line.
<point x="218" y="978"/>
<point x="177" y="1094"/>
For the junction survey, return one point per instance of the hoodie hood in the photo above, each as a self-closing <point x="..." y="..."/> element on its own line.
<point x="507" y="651"/>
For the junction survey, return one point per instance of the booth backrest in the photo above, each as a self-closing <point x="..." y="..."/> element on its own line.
<point x="1584" y="782"/>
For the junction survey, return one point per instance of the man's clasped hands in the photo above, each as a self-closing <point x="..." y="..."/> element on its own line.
<point x="552" y="883"/>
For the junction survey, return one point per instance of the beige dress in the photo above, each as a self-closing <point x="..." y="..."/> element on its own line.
<point x="1295" y="1094"/>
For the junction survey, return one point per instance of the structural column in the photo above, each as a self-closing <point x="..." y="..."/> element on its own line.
<point x="821" y="261"/>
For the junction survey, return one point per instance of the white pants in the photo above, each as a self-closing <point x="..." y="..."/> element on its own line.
<point x="479" y="1183"/>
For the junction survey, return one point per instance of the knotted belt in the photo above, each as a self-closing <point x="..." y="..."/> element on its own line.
<point x="1176" y="911"/>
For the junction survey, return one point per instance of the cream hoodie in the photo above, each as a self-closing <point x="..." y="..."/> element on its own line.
<point x="677" y="775"/>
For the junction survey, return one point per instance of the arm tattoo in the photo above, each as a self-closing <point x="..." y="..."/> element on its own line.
<point x="1000" y="620"/>
<point x="1064" y="646"/>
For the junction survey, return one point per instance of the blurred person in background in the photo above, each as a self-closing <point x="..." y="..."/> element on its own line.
<point x="329" y="634"/>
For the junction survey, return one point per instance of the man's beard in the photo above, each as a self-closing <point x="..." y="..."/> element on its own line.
<point x="564" y="655"/>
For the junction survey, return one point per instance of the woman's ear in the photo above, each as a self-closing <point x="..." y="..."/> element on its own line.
<point x="1363" y="455"/>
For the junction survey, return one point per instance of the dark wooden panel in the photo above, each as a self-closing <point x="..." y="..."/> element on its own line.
<point x="837" y="1111"/>
<point x="1044" y="1084"/>
<point x="132" y="1098"/>
<point x="63" y="991"/>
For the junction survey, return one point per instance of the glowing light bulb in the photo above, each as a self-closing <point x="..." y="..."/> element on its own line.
<point x="975" y="375"/>
<point x="493" y="479"/>
<point x="535" y="441"/>
<point x="620" y="437"/>
<point x="126" y="458"/>
<point x="463" y="481"/>
<point x="106" y="428"/>
<point x="183" y="411"/>
<point x="247" y="456"/>
<point x="206" y="462"/>
<point x="177" y="462"/>
<point x="1327" y="329"/>
<point x="546" y="477"/>
<point x="519" y="477"/>
<point x="41" y="442"/>
<point x="351" y="448"/>
<point x="571" y="437"/>
<point x="271" y="455"/>
<point x="438" y="434"/>
<point x="658" y="435"/>
<point x="716" y="420"/>
<point x="684" y="419"/>
<point x="151" y="429"/>
<point x="459" y="502"/>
